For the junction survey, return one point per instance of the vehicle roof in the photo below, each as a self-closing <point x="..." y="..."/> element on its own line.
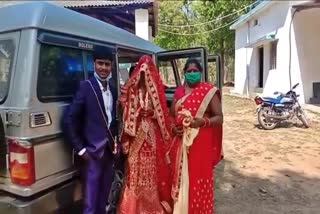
<point x="47" y="16"/>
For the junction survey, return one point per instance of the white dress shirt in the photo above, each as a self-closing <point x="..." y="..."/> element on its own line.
<point x="107" y="100"/>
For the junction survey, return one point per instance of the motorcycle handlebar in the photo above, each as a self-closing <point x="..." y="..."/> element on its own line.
<point x="295" y="86"/>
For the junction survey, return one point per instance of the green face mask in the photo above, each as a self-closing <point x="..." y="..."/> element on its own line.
<point x="193" y="77"/>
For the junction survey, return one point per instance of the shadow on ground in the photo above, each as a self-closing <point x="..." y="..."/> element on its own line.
<point x="285" y="125"/>
<point x="288" y="193"/>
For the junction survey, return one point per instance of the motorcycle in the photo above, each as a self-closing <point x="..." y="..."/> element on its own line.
<point x="273" y="110"/>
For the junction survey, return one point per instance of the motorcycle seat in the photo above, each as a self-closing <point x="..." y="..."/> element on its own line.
<point x="276" y="100"/>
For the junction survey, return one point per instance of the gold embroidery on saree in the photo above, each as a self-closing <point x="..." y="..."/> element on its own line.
<point x="140" y="184"/>
<point x="158" y="110"/>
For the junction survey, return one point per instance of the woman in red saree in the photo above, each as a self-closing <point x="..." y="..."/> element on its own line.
<point x="197" y="142"/>
<point x="145" y="138"/>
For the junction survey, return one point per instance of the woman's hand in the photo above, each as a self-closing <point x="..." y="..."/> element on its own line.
<point x="147" y="113"/>
<point x="123" y="89"/>
<point x="197" y="122"/>
<point x="125" y="147"/>
<point x="85" y="156"/>
<point x="177" y="130"/>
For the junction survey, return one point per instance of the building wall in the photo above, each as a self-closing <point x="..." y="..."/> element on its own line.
<point x="276" y="19"/>
<point x="279" y="78"/>
<point x="271" y="20"/>
<point x="306" y="27"/>
<point x="142" y="28"/>
<point x="242" y="56"/>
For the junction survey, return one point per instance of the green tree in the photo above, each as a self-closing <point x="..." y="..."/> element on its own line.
<point x="177" y="13"/>
<point x="222" y="40"/>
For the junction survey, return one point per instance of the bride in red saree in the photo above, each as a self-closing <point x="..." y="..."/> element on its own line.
<point x="197" y="143"/>
<point x="145" y="138"/>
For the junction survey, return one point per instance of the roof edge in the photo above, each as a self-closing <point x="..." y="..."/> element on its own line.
<point x="83" y="4"/>
<point x="51" y="17"/>
<point x="259" y="8"/>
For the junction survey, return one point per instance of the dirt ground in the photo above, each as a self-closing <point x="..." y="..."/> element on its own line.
<point x="267" y="172"/>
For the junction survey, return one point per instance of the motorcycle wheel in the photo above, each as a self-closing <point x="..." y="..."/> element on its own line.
<point x="265" y="122"/>
<point x="302" y="117"/>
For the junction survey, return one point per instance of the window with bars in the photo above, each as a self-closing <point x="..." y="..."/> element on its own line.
<point x="273" y="55"/>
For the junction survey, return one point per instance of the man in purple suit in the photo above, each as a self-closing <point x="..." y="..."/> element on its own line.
<point x="91" y="127"/>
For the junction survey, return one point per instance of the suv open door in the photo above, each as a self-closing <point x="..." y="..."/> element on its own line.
<point x="171" y="63"/>
<point x="215" y="75"/>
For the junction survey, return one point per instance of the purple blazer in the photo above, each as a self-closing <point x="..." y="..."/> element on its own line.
<point x="85" y="125"/>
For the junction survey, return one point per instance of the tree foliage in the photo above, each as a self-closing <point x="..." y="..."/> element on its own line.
<point x="177" y="13"/>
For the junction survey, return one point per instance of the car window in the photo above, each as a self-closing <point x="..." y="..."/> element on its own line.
<point x="7" y="51"/>
<point x="60" y="71"/>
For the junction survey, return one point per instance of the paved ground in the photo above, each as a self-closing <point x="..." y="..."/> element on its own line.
<point x="267" y="172"/>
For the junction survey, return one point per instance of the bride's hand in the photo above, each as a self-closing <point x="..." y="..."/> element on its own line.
<point x="178" y="130"/>
<point x="125" y="147"/>
<point x="146" y="113"/>
<point x="123" y="89"/>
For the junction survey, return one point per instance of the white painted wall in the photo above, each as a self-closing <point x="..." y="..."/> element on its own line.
<point x="150" y="38"/>
<point x="266" y="66"/>
<point x="253" y="69"/>
<point x="307" y="30"/>
<point x="242" y="59"/>
<point x="269" y="21"/>
<point x="277" y="19"/>
<point x="278" y="79"/>
<point x="142" y="23"/>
